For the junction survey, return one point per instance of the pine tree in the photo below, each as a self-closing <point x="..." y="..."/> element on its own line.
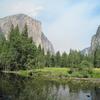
<point x="48" y="60"/>
<point x="97" y="57"/>
<point x="58" y="59"/>
<point x="40" y="58"/>
<point x="52" y="61"/>
<point x="64" y="60"/>
<point x="25" y="32"/>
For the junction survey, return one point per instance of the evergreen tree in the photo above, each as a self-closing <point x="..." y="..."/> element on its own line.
<point x="58" y="59"/>
<point x="52" y="61"/>
<point x="97" y="57"/>
<point x="74" y="58"/>
<point x="40" y="59"/>
<point x="48" y="60"/>
<point x="25" y="32"/>
<point x="64" y="60"/>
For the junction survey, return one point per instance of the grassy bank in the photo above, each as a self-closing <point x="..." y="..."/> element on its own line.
<point x="65" y="73"/>
<point x="58" y="73"/>
<point x="41" y="72"/>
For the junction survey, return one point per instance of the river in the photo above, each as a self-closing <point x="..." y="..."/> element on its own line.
<point x="14" y="87"/>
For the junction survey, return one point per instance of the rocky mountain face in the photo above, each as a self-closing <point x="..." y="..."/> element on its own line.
<point x="95" y="42"/>
<point x="85" y="51"/>
<point x="34" y="29"/>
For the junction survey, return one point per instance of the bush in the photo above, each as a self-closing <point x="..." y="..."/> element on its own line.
<point x="84" y="71"/>
<point x="85" y="64"/>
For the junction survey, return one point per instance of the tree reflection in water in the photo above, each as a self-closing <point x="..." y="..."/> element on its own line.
<point x="14" y="87"/>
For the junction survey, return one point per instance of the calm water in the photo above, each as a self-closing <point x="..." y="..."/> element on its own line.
<point x="13" y="87"/>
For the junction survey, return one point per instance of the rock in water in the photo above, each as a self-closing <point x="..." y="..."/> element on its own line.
<point x="34" y="29"/>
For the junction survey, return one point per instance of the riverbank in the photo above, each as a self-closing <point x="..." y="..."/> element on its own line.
<point x="30" y="87"/>
<point x="56" y="73"/>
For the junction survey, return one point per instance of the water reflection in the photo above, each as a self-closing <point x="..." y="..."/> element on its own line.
<point x="13" y="87"/>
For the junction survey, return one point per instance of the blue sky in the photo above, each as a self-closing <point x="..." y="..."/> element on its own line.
<point x="66" y="23"/>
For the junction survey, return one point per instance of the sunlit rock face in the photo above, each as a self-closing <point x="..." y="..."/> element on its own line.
<point x="34" y="29"/>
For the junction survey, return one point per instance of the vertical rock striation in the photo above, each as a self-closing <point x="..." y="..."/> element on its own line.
<point x="34" y="29"/>
<point x="95" y="42"/>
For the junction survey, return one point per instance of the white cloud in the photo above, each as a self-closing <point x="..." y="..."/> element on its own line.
<point x="23" y="7"/>
<point x="74" y="28"/>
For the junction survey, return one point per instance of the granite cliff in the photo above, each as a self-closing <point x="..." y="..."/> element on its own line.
<point x="34" y="29"/>
<point x="95" y="42"/>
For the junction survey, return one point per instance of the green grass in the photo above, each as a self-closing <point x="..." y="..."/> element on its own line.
<point x="50" y="72"/>
<point x="63" y="72"/>
<point x="96" y="73"/>
<point x="53" y="72"/>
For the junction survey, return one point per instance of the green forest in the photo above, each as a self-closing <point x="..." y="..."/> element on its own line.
<point x="19" y="52"/>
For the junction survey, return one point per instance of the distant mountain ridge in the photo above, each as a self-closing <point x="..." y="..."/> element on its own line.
<point x="34" y="29"/>
<point x="86" y="51"/>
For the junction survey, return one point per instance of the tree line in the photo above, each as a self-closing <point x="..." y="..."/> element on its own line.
<point x="20" y="52"/>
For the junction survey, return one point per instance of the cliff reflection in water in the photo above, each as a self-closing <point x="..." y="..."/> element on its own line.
<point x="14" y="87"/>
